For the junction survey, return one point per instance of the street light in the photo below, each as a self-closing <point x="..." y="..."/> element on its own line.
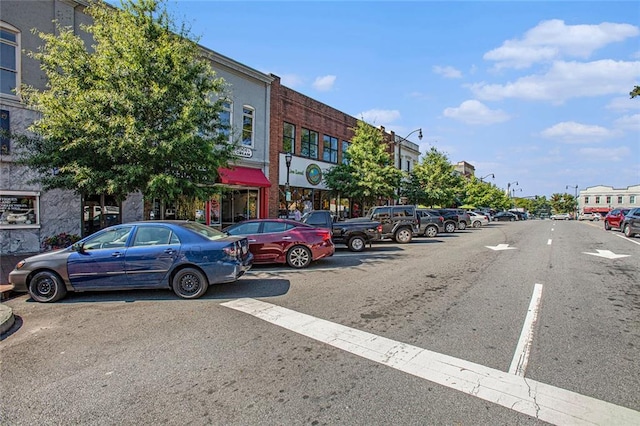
<point x="484" y="177"/>
<point x="509" y="187"/>
<point x="287" y="193"/>
<point x="400" y="150"/>
<point x="575" y="209"/>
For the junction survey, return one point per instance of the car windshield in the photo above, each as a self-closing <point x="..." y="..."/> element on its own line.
<point x="207" y="231"/>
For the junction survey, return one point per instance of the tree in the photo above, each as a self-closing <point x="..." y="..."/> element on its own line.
<point x="137" y="111"/>
<point x="433" y="181"/>
<point x="635" y="92"/>
<point x="563" y="203"/>
<point x="484" y="194"/>
<point x="369" y="173"/>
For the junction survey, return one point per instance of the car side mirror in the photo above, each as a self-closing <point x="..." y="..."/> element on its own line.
<point x="79" y="247"/>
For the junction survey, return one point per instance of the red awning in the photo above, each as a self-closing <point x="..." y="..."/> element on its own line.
<point x="243" y="176"/>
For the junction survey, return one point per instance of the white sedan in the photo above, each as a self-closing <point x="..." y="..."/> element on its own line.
<point x="478" y="220"/>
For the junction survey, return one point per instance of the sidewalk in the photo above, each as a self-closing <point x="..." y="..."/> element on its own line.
<point x="7" y="263"/>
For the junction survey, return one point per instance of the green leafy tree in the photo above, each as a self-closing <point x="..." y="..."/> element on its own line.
<point x="369" y="174"/>
<point x="563" y="203"/>
<point x="135" y="111"/>
<point x="433" y="181"/>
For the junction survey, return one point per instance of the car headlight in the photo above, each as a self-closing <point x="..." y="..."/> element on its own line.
<point x="21" y="264"/>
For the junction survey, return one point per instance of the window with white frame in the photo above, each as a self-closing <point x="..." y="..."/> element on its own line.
<point x="586" y="199"/>
<point x="619" y="199"/>
<point x="19" y="209"/>
<point x="597" y="199"/>
<point x="608" y="199"/>
<point x="9" y="59"/>
<point x="632" y="199"/>
<point x="224" y="118"/>
<point x="247" y="125"/>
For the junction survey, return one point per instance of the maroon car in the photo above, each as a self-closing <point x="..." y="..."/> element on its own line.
<point x="614" y="218"/>
<point x="284" y="241"/>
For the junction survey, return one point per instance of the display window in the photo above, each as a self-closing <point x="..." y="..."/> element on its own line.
<point x="19" y="209"/>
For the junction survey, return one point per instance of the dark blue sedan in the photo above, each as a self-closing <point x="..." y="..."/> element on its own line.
<point x="180" y="255"/>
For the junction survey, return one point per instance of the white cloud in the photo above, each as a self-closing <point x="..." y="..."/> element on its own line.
<point x="566" y="80"/>
<point x="291" y="80"/>
<point x="606" y="154"/>
<point x="572" y="132"/>
<point x="475" y="112"/>
<point x="379" y="117"/>
<point x="553" y="39"/>
<point x="324" y="84"/>
<point x="624" y="103"/>
<point x="447" y="72"/>
<point x="628" y="122"/>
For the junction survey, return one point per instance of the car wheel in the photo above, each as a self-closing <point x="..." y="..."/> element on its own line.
<point x="46" y="287"/>
<point x="356" y="243"/>
<point x="190" y="283"/>
<point x="431" y="231"/>
<point x="403" y="236"/>
<point x="607" y="226"/>
<point x="449" y="227"/>
<point x="299" y="257"/>
<point x="462" y="225"/>
<point x="512" y="219"/>
<point x="627" y="231"/>
<point x="477" y="224"/>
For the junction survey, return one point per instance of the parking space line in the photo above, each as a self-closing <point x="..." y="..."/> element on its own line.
<point x="521" y="356"/>
<point x="545" y="402"/>
<point x="628" y="239"/>
<point x="549" y="242"/>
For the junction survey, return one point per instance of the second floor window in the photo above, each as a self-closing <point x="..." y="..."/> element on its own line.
<point x="345" y="147"/>
<point x="309" y="144"/>
<point x="247" y="125"/>
<point x="586" y="199"/>
<point x="619" y="199"/>
<point x="9" y="59"/>
<point x="608" y="199"/>
<point x="632" y="199"/>
<point x="597" y="200"/>
<point x="289" y="138"/>
<point x="330" y="149"/>
<point x="225" y="119"/>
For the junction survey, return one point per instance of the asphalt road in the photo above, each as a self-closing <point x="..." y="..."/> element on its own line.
<point x="423" y="333"/>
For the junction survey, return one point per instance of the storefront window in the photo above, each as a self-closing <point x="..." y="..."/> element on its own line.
<point x="238" y="205"/>
<point x="19" y="209"/>
<point x="99" y="212"/>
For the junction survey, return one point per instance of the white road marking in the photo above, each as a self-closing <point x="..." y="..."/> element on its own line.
<point x="500" y="247"/>
<point x="549" y="242"/>
<point x="607" y="254"/>
<point x="628" y="239"/>
<point x="521" y="356"/>
<point x="536" y="399"/>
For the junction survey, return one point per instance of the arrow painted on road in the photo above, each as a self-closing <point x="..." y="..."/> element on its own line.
<point x="607" y="254"/>
<point x="501" y="247"/>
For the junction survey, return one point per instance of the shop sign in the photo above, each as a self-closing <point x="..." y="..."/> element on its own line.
<point x="313" y="174"/>
<point x="243" y="151"/>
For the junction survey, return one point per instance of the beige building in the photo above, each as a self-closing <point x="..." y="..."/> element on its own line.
<point x="603" y="198"/>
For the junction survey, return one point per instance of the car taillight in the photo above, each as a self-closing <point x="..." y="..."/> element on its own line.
<point x="326" y="235"/>
<point x="441" y="219"/>
<point x="232" y="250"/>
<point x="379" y="228"/>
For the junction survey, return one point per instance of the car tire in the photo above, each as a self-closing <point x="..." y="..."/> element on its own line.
<point x="299" y="257"/>
<point x="462" y="225"/>
<point x="431" y="231"/>
<point x="403" y="236"/>
<point x="627" y="231"/>
<point x="512" y="219"/>
<point x="189" y="283"/>
<point x="607" y="227"/>
<point x="477" y="224"/>
<point x="449" y="227"/>
<point x="356" y="243"/>
<point x="46" y="287"/>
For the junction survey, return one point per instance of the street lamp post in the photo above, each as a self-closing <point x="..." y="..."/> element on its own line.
<point x="400" y="150"/>
<point x="509" y="187"/>
<point x="484" y="177"/>
<point x="575" y="207"/>
<point x="287" y="192"/>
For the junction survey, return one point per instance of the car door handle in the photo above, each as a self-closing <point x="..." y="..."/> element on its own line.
<point x="252" y="241"/>
<point x="169" y="251"/>
<point x="286" y="238"/>
<point x="116" y="254"/>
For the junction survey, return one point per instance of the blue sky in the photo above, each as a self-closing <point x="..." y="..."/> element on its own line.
<point x="533" y="92"/>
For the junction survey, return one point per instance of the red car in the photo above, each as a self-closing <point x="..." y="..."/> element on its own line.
<point x="284" y="241"/>
<point x="614" y="218"/>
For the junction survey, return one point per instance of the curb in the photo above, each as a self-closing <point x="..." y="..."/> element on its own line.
<point x="6" y="318"/>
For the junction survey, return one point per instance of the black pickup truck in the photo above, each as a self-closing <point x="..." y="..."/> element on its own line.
<point x="354" y="233"/>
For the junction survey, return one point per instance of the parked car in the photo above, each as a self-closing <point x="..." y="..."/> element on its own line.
<point x="505" y="217"/>
<point x="355" y="234"/>
<point x="521" y="215"/>
<point x="399" y="223"/>
<point x="561" y="216"/>
<point x="26" y="217"/>
<point x="614" y="218"/>
<point x="452" y="216"/>
<point x="431" y="223"/>
<point x="284" y="241"/>
<point x="180" y="255"/>
<point x="588" y="216"/>
<point x="631" y="223"/>
<point x="478" y="220"/>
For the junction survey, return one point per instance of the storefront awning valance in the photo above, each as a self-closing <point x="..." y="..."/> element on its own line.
<point x="243" y="176"/>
